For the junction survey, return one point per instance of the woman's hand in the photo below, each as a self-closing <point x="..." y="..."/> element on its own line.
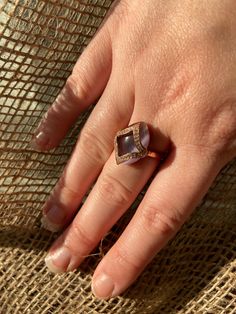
<point x="171" y="64"/>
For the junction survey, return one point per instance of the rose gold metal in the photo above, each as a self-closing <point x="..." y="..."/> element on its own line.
<point x="153" y="154"/>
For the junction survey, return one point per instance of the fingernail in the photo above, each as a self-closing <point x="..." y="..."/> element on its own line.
<point x="54" y="219"/>
<point x="46" y="224"/>
<point x="103" y="286"/>
<point x="40" y="141"/>
<point x="56" y="215"/>
<point x="59" y="260"/>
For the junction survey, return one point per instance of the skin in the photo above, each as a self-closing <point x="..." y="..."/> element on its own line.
<point x="171" y="64"/>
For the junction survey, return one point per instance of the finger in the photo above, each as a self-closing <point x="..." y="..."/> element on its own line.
<point x="176" y="190"/>
<point x="93" y="148"/>
<point x="85" y="84"/>
<point x="114" y="191"/>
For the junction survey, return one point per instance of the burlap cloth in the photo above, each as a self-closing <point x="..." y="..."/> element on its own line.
<point x="40" y="40"/>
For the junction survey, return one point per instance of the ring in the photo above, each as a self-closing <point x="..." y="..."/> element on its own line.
<point x="131" y="144"/>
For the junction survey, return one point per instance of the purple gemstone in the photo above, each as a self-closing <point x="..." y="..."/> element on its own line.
<point x="144" y="135"/>
<point x="126" y="143"/>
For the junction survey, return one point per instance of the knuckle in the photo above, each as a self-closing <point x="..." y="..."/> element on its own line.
<point x="95" y="149"/>
<point x="125" y="259"/>
<point x="63" y="188"/>
<point x="77" y="87"/>
<point x="114" y="191"/>
<point x="227" y="123"/>
<point x="80" y="236"/>
<point x="70" y="101"/>
<point x="179" y="85"/>
<point x="157" y="221"/>
<point x="223" y="127"/>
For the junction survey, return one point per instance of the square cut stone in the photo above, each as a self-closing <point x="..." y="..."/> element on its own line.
<point x="126" y="144"/>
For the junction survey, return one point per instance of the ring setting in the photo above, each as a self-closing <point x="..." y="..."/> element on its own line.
<point x="131" y="144"/>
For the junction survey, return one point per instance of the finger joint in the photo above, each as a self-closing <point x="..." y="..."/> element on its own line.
<point x="126" y="260"/>
<point x="77" y="88"/>
<point x="83" y="241"/>
<point x="64" y="188"/>
<point x="95" y="149"/>
<point x="114" y="191"/>
<point x="156" y="221"/>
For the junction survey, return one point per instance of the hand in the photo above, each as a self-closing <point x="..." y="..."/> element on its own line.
<point x="171" y="64"/>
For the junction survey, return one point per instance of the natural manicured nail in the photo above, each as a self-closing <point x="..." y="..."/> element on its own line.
<point x="54" y="219"/>
<point x="46" y="224"/>
<point x="103" y="286"/>
<point x="56" y="215"/>
<point x="40" y="141"/>
<point x="59" y="260"/>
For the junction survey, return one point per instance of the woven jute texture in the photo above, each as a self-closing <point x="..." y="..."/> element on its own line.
<point x="40" y="40"/>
